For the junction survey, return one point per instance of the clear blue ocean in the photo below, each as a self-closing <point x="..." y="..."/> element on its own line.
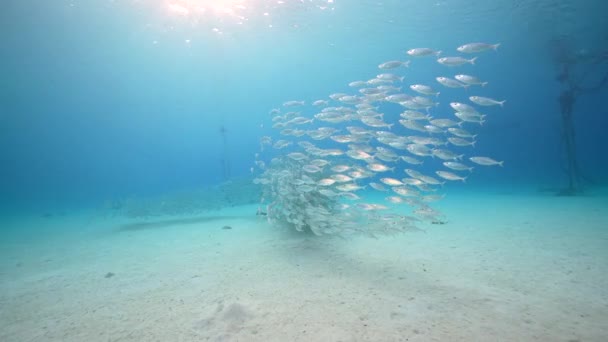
<point x="303" y="170"/>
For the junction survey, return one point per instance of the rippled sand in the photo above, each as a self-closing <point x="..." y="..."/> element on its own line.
<point x="504" y="268"/>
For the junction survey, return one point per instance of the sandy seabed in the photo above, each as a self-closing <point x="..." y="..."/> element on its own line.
<point x="504" y="268"/>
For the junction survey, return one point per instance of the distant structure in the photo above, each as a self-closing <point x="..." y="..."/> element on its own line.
<point x="225" y="163"/>
<point x="578" y="74"/>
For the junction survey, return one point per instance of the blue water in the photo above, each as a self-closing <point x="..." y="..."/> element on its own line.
<point x="102" y="100"/>
<point x="128" y="134"/>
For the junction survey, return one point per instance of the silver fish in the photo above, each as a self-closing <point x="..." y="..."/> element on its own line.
<point x="398" y="98"/>
<point x="486" y="101"/>
<point x="377" y="186"/>
<point x="340" y="168"/>
<point x="462" y="107"/>
<point x="419" y="150"/>
<point x="457" y="166"/>
<point x="349" y="196"/>
<point x="450" y="176"/>
<point x="326" y="182"/>
<point x="485" y="161"/>
<point x="413" y="125"/>
<point x="450" y="83"/>
<point x="336" y="96"/>
<point x="340" y="178"/>
<point x="281" y="144"/>
<point x="293" y="103"/>
<point x="393" y="65"/>
<point x="455" y="61"/>
<point x="395" y="199"/>
<point x="446" y="154"/>
<point x="319" y="162"/>
<point x="430" y="180"/>
<point x="405" y="191"/>
<point x="357" y="84"/>
<point x="461" y="142"/>
<point x="469" y="117"/>
<point x="311" y="168"/>
<point x="422" y="52"/>
<point x="443" y="123"/>
<point x="376" y="167"/>
<point x="349" y="187"/>
<point x="297" y="156"/>
<point x="470" y="80"/>
<point x="413" y="173"/>
<point x="424" y="89"/>
<point x="459" y="132"/>
<point x="378" y="81"/>
<point x="366" y="206"/>
<point x="477" y="47"/>
<point x="433" y="129"/>
<point x="414" y="115"/>
<point x="359" y="155"/>
<point x="411" y="160"/>
<point x="390" y="77"/>
<point x="391" y="181"/>
<point x="328" y="193"/>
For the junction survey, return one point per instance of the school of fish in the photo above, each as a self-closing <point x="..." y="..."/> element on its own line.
<point x="330" y="159"/>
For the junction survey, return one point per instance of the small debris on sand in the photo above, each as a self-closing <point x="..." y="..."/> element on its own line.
<point x="109" y="275"/>
<point x="226" y="227"/>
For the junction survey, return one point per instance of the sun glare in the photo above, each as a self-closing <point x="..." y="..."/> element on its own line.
<point x="199" y="7"/>
<point x="178" y="9"/>
<point x="221" y="16"/>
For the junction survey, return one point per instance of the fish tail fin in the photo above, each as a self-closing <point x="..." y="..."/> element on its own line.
<point x="438" y="53"/>
<point x="495" y="46"/>
<point x="502" y="103"/>
<point x="437" y="93"/>
<point x="390" y="126"/>
<point x="464" y="179"/>
<point x="406" y="64"/>
<point x="460" y="157"/>
<point x="483" y="84"/>
<point x="472" y="60"/>
<point x="401" y="78"/>
<point x="500" y="163"/>
<point x="471" y="169"/>
<point x="473" y="143"/>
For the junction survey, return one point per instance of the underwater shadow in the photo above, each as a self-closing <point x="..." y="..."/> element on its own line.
<point x="330" y="258"/>
<point x="129" y="227"/>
